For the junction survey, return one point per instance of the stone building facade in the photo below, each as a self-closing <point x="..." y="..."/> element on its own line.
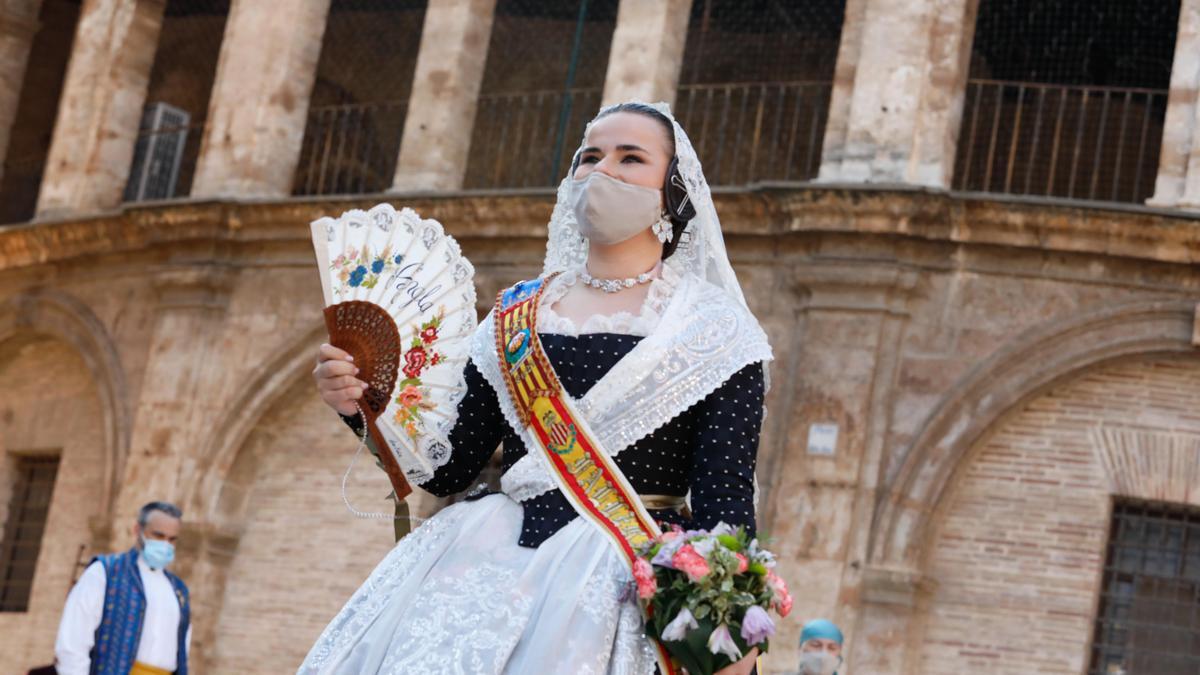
<point x="1005" y="372"/>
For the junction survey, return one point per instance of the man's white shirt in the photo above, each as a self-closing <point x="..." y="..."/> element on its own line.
<point x="85" y="607"/>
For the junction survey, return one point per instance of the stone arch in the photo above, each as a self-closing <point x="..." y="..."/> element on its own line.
<point x="66" y="318"/>
<point x="1035" y="361"/>
<point x="261" y="391"/>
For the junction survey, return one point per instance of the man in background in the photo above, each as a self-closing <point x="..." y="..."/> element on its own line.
<point x="820" y="648"/>
<point x="122" y="592"/>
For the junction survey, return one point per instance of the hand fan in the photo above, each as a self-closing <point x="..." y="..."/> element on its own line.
<point x="400" y="298"/>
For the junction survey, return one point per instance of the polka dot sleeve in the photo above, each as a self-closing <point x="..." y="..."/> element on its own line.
<point x="725" y="449"/>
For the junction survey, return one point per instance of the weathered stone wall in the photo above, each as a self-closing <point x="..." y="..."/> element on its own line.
<point x="916" y="321"/>
<point x="1022" y="540"/>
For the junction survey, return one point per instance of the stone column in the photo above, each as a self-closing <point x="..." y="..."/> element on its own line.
<point x="18" y="23"/>
<point x="176" y="403"/>
<point x="101" y="106"/>
<point x="1178" y="182"/>
<point x="898" y="92"/>
<point x="647" y="51"/>
<point x="259" y="103"/>
<point x="819" y="493"/>
<point x="445" y="92"/>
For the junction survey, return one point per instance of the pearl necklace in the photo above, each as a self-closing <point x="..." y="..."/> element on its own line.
<point x="615" y="285"/>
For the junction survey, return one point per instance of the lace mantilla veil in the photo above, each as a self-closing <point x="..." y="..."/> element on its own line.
<point x="701" y="250"/>
<point x="706" y="333"/>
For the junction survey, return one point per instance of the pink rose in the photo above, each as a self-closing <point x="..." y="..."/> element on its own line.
<point x="691" y="563"/>
<point x="643" y="574"/>
<point x="782" y="599"/>
<point x="429" y="334"/>
<point x="410" y="396"/>
<point x="743" y="564"/>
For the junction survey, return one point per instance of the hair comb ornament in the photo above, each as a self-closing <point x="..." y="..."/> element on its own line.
<point x="400" y="298"/>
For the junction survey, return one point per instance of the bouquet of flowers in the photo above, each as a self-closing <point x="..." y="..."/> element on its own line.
<point x="706" y="595"/>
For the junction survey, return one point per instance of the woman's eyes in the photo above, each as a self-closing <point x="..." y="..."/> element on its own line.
<point x="627" y="159"/>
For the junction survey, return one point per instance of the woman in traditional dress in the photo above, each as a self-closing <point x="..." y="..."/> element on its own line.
<point x="641" y="338"/>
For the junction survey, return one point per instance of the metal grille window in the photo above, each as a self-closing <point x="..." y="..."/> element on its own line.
<point x="542" y="83"/>
<point x="185" y="66"/>
<point x="1067" y="98"/>
<point x="755" y="86"/>
<point x="27" y="510"/>
<point x="360" y="99"/>
<point x="33" y="126"/>
<point x="1149" y="613"/>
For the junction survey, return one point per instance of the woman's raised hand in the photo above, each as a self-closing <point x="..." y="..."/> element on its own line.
<point x="335" y="379"/>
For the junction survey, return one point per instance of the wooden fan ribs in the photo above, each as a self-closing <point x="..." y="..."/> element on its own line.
<point x="368" y="333"/>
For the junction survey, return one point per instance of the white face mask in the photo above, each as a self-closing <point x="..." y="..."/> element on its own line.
<point x="819" y="663"/>
<point x="609" y="211"/>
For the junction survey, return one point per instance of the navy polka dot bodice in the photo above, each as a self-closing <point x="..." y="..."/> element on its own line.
<point x="709" y="448"/>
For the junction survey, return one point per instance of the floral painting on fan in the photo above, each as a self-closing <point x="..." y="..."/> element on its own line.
<point x="706" y="595"/>
<point x="418" y="357"/>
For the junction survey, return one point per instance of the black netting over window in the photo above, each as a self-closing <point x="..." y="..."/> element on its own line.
<point x="360" y="98"/>
<point x="33" y="126"/>
<point x="762" y="41"/>
<point x="1067" y="98"/>
<point x="1105" y="43"/>
<point x="544" y="76"/>
<point x="755" y="86"/>
<point x="185" y="65"/>
<point x="1148" y="620"/>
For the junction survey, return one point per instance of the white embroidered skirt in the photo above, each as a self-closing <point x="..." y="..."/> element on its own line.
<point x="459" y="595"/>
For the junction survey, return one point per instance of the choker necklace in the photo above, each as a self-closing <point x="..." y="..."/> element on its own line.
<point x="614" y="285"/>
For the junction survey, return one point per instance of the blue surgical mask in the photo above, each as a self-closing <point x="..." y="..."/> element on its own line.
<point x="157" y="554"/>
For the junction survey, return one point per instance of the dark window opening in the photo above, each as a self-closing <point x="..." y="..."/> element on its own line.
<point x="755" y="86"/>
<point x="22" y="542"/>
<point x="1067" y="98"/>
<point x="1149" y="614"/>
<point x="33" y="126"/>
<point x="360" y="97"/>
<point x="542" y="83"/>
<point x="181" y="81"/>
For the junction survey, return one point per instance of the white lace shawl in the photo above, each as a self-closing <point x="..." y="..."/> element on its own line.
<point x="698" y="333"/>
<point x="702" y="339"/>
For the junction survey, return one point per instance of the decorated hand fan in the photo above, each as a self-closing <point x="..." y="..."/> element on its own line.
<point x="400" y="298"/>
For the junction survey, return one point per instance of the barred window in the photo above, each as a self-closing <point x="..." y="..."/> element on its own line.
<point x="545" y="71"/>
<point x="1067" y="98"/>
<point x="27" y="510"/>
<point x="755" y="86"/>
<point x="1148" y="619"/>
<point x="360" y="98"/>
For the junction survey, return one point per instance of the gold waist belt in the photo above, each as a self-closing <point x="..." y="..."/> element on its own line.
<point x="140" y="668"/>
<point x="656" y="502"/>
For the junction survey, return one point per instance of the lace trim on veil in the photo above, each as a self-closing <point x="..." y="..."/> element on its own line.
<point x="624" y="323"/>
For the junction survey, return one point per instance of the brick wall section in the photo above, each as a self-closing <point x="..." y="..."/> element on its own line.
<point x="1019" y="553"/>
<point x="65" y="418"/>
<point x="302" y="553"/>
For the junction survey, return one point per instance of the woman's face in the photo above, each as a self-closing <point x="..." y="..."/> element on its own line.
<point x="630" y="147"/>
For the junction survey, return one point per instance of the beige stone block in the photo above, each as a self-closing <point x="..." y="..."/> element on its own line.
<point x="259" y="103"/>
<point x="101" y="107"/>
<point x="647" y="51"/>
<point x="441" y="108"/>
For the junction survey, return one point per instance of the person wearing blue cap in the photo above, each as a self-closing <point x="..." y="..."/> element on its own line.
<point x="820" y="648"/>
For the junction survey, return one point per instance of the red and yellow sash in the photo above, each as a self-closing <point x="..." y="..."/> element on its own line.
<point x="585" y="474"/>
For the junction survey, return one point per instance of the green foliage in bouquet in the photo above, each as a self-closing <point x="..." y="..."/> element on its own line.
<point x="706" y="596"/>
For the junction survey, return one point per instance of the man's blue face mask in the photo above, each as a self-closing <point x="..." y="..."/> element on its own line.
<point x="157" y="554"/>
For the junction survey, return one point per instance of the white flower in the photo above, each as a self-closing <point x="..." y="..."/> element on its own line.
<point x="705" y="546"/>
<point x="721" y="642"/>
<point x="680" y="625"/>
